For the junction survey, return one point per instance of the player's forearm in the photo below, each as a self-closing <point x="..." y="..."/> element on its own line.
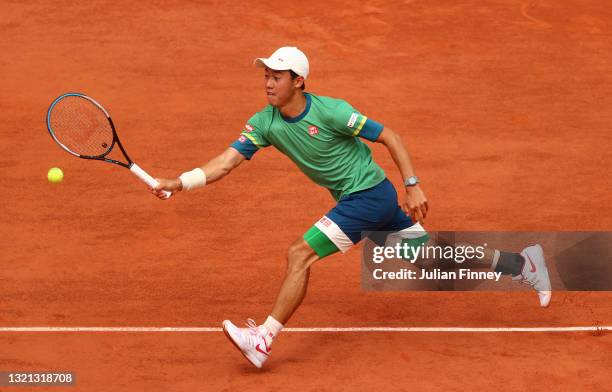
<point x="214" y="170"/>
<point x="399" y="153"/>
<point x="217" y="168"/>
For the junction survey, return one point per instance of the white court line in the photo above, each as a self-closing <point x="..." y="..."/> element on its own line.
<point x="594" y="328"/>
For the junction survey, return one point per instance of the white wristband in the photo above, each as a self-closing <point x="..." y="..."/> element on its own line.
<point x="193" y="179"/>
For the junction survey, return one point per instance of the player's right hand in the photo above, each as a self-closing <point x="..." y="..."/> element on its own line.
<point x="167" y="185"/>
<point x="415" y="204"/>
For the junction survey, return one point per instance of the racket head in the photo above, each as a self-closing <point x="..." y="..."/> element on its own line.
<point x="81" y="126"/>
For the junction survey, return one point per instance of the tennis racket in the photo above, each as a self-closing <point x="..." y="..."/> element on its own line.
<point x="81" y="126"/>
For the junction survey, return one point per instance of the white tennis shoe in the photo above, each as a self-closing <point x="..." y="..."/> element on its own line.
<point x="250" y="341"/>
<point x="535" y="273"/>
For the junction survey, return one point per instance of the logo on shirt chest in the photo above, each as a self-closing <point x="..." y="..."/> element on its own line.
<point x="312" y="130"/>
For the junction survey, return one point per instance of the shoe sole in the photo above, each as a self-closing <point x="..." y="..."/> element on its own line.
<point x="239" y="349"/>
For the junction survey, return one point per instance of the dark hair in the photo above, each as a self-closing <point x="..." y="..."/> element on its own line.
<point x="294" y="75"/>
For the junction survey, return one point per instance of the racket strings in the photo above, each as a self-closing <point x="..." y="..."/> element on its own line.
<point x="81" y="127"/>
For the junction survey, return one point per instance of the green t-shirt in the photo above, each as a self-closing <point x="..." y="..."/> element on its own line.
<point x="323" y="142"/>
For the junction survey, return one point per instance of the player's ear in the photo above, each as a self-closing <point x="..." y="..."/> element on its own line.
<point x="298" y="82"/>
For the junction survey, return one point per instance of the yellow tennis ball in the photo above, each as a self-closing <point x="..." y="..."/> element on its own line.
<point x="55" y="175"/>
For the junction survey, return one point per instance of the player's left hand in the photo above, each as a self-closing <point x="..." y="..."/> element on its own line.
<point x="415" y="204"/>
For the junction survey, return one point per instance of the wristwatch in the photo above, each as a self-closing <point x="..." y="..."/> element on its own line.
<point x="411" y="181"/>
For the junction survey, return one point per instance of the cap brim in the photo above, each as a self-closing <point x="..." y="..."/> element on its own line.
<point x="270" y="63"/>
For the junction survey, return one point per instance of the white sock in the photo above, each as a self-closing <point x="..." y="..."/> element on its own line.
<point x="495" y="260"/>
<point x="273" y="327"/>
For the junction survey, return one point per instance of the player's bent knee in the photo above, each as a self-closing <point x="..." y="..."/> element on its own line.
<point x="300" y="256"/>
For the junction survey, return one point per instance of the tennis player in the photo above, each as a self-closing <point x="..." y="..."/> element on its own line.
<point x="325" y="137"/>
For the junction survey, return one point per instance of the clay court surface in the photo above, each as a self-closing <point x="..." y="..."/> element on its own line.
<point x="504" y="105"/>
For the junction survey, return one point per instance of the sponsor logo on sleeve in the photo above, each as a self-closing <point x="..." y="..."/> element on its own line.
<point x="352" y="120"/>
<point x="312" y="130"/>
<point x="242" y="139"/>
<point x="249" y="128"/>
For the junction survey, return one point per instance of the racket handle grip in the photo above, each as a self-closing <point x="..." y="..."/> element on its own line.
<point x="144" y="176"/>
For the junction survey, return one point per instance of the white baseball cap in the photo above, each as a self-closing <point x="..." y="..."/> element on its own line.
<point x="284" y="59"/>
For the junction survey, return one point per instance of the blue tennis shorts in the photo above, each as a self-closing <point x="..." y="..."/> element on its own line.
<point x="356" y="216"/>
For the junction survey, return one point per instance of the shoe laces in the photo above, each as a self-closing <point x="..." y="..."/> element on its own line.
<point x="252" y="325"/>
<point x="252" y="333"/>
<point x="256" y="332"/>
<point x="531" y="281"/>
